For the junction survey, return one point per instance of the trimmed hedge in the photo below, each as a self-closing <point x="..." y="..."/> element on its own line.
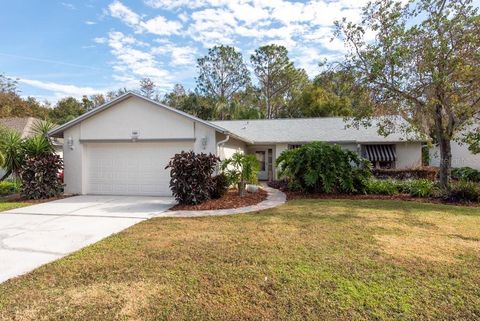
<point x="466" y="173"/>
<point x="429" y="173"/>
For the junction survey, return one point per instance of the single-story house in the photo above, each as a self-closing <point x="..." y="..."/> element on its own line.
<point x="123" y="146"/>
<point x="461" y="155"/>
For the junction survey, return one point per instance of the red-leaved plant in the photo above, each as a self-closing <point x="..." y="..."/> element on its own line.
<point x="191" y="177"/>
<point x="40" y="176"/>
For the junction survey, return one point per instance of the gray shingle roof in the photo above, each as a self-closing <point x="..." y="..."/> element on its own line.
<point x="295" y="130"/>
<point x="22" y="125"/>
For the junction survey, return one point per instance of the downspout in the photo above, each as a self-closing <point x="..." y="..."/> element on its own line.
<point x="221" y="143"/>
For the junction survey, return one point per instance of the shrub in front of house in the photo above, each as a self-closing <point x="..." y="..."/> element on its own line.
<point x="241" y="169"/>
<point x="9" y="187"/>
<point x="429" y="173"/>
<point x="463" y="192"/>
<point x="413" y="187"/>
<point x="466" y="174"/>
<point x="191" y="179"/>
<point x="382" y="187"/>
<point x="324" y="168"/>
<point x="40" y="176"/>
<point x="220" y="186"/>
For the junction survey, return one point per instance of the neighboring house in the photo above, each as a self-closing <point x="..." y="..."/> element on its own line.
<point x="461" y="156"/>
<point x="25" y="127"/>
<point x="123" y="146"/>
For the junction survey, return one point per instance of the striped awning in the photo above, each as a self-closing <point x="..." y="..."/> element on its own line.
<point x="380" y="153"/>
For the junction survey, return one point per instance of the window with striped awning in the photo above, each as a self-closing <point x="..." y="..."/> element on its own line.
<point x="380" y="153"/>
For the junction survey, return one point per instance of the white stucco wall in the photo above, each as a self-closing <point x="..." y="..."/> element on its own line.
<point x="409" y="155"/>
<point x="204" y="133"/>
<point x="461" y="156"/>
<point x="231" y="147"/>
<point x="152" y="122"/>
<point x="73" y="161"/>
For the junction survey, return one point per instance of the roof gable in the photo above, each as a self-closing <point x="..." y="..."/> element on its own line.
<point x="59" y="130"/>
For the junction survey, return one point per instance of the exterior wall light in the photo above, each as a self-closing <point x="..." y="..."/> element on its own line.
<point x="135" y="135"/>
<point x="204" y="142"/>
<point x="70" y="142"/>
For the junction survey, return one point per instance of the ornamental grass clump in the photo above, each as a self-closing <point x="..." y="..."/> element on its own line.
<point x="191" y="179"/>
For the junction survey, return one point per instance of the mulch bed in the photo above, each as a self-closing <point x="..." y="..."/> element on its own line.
<point x="396" y="197"/>
<point x="229" y="200"/>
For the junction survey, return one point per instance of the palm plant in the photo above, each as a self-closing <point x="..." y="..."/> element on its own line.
<point x="11" y="149"/>
<point x="14" y="149"/>
<point x="241" y="169"/>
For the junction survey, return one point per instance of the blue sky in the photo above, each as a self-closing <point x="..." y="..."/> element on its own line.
<point x="62" y="48"/>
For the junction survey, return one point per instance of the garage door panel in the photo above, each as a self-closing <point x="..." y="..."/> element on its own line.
<point x="130" y="168"/>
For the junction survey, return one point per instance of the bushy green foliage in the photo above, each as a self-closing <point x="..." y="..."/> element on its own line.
<point x="413" y="187"/>
<point x="466" y="173"/>
<point x="241" y="168"/>
<point x="463" y="191"/>
<point x="220" y="186"/>
<point x="382" y="187"/>
<point x="418" y="187"/>
<point x="9" y="187"/>
<point x="40" y="176"/>
<point x="191" y="177"/>
<point x="324" y="168"/>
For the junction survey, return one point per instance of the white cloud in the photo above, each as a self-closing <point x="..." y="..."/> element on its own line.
<point x="130" y="60"/>
<point x="179" y="55"/>
<point x="62" y="89"/>
<point x="100" y="40"/>
<point x="158" y="25"/>
<point x="68" y="5"/>
<point x="88" y="22"/>
<point x="161" y="26"/>
<point x="122" y="12"/>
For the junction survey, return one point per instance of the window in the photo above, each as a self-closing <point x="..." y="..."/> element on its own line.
<point x="293" y="146"/>
<point x="260" y="154"/>
<point x="381" y="156"/>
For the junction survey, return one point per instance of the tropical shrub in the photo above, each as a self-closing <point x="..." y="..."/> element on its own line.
<point x="220" y="185"/>
<point x="466" y="173"/>
<point x="463" y="191"/>
<point x="9" y="187"/>
<point x="241" y="169"/>
<point x="382" y="187"/>
<point x="14" y="149"/>
<point x="324" y="168"/>
<point x="191" y="177"/>
<point x="418" y="187"/>
<point x="40" y="176"/>
<point x="11" y="149"/>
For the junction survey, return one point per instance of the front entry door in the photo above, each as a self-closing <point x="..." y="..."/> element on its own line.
<point x="262" y="159"/>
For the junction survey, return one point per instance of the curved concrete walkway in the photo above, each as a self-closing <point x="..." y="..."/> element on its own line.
<point x="275" y="198"/>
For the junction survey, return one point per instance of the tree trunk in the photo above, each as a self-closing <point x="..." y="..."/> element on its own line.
<point x="443" y="140"/>
<point x="445" y="162"/>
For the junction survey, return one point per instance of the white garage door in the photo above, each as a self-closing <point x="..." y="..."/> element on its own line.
<point x="130" y="168"/>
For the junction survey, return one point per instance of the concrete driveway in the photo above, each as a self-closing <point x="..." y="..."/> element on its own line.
<point x="34" y="235"/>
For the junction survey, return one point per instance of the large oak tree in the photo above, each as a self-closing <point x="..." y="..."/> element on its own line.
<point x="422" y="64"/>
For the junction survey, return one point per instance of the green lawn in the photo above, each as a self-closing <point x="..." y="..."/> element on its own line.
<point x="5" y="206"/>
<point x="306" y="260"/>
